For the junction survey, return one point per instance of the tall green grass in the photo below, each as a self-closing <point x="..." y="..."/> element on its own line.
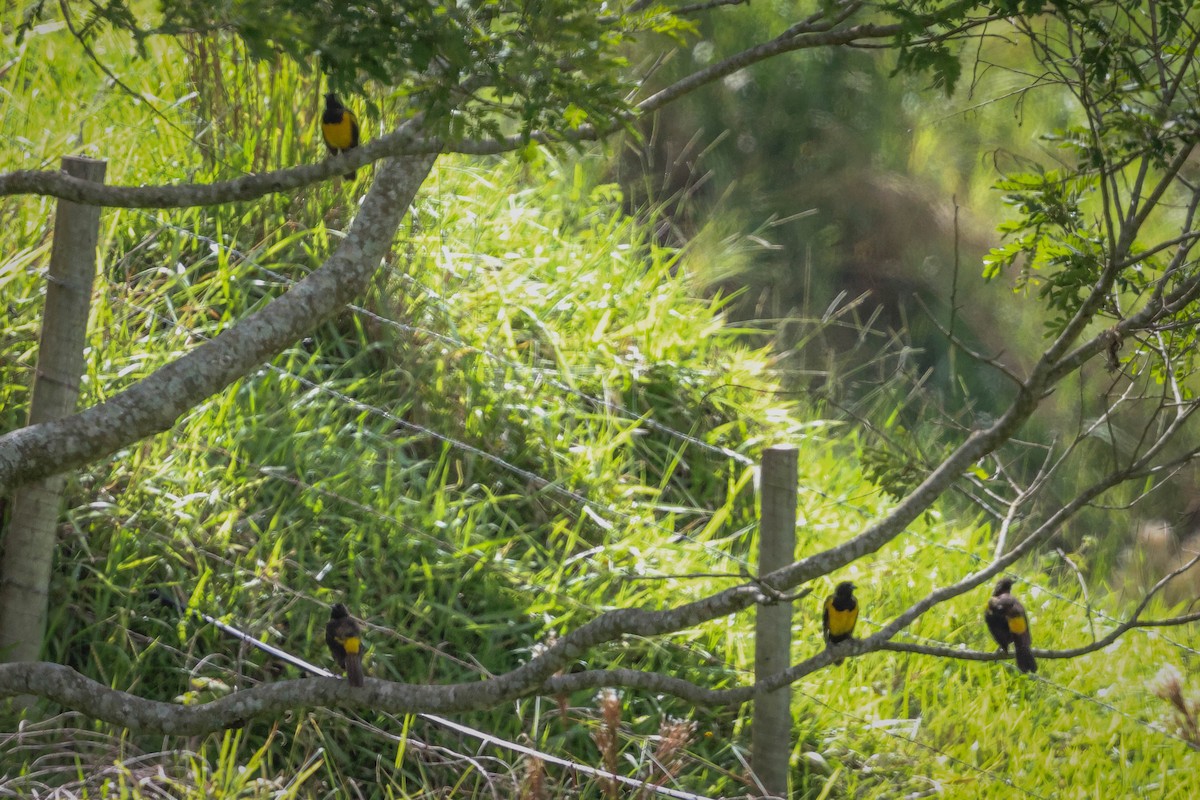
<point x="461" y="458"/>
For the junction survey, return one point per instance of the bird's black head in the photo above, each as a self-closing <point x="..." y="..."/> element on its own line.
<point x="338" y="611"/>
<point x="332" y="101"/>
<point x="1003" y="586"/>
<point x="844" y="589"/>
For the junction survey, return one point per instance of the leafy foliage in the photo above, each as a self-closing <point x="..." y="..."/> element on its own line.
<point x="893" y="470"/>
<point x="531" y="310"/>
<point x="1137" y="87"/>
<point x="1050" y="239"/>
<point x="479" y="67"/>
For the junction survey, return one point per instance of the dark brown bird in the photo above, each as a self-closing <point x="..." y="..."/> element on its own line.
<point x="345" y="643"/>
<point x="841" y="613"/>
<point x="339" y="127"/>
<point x="1005" y="617"/>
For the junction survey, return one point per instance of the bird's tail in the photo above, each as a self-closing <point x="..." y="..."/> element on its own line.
<point x="1025" y="659"/>
<point x="354" y="673"/>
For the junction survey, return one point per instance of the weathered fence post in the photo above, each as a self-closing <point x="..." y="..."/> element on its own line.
<point x="28" y="546"/>
<point x="770" y="735"/>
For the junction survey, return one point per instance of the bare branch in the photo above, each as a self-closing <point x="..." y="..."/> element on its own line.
<point x="707" y="5"/>
<point x="1129" y="624"/>
<point x="948" y="333"/>
<point x="784" y="43"/>
<point x="1138" y="468"/>
<point x="405" y="141"/>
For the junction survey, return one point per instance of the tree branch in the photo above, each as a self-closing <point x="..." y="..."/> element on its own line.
<point x="406" y="141"/>
<point x="786" y="42"/>
<point x="70" y="689"/>
<point x="811" y="33"/>
<point x="153" y="404"/>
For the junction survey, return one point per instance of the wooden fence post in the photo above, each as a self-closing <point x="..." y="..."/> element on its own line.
<point x="771" y="728"/>
<point x="30" y="541"/>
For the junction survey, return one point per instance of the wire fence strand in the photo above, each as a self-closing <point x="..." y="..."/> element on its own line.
<point x="551" y="376"/>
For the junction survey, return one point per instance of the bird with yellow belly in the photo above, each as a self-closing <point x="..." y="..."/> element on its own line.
<point x="339" y="127"/>
<point x="344" y="639"/>
<point x="840" y="615"/>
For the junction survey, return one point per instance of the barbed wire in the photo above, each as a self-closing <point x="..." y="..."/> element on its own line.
<point x="840" y="502"/>
<point x="542" y="372"/>
<point x="275" y="474"/>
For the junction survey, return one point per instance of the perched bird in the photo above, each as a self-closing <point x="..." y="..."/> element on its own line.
<point x="339" y="126"/>
<point x="841" y="612"/>
<point x="345" y="642"/>
<point x="1005" y="617"/>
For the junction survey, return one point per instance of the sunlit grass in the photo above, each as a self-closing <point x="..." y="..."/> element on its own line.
<point x="463" y="459"/>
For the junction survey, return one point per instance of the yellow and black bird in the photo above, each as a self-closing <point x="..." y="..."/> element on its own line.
<point x="841" y="612"/>
<point x="345" y="642"/>
<point x="1005" y="617"/>
<point x="339" y="126"/>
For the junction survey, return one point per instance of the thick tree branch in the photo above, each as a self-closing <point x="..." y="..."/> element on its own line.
<point x="542" y="674"/>
<point x="70" y="689"/>
<point x="153" y="404"/>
